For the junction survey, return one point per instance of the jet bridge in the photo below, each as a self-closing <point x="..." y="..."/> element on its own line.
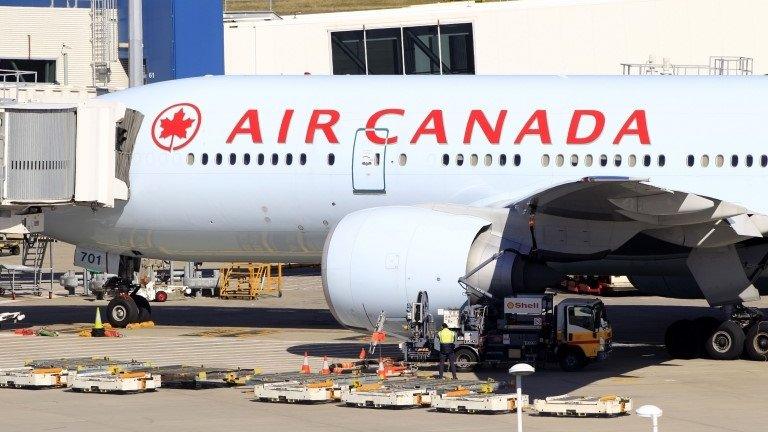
<point x="63" y="154"/>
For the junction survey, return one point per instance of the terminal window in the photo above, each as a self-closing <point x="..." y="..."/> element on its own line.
<point x="45" y="69"/>
<point x="418" y="50"/>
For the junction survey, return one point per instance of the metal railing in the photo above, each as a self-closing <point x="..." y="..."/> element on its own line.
<point x="718" y="65"/>
<point x="16" y="76"/>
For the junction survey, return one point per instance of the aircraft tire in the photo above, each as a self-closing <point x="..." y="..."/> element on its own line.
<point x="679" y="341"/>
<point x="704" y="327"/>
<point x="727" y="341"/>
<point x="144" y="309"/>
<point x="756" y="343"/>
<point x="122" y="311"/>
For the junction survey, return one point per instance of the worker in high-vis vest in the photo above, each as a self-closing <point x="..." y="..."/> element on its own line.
<point x="447" y="339"/>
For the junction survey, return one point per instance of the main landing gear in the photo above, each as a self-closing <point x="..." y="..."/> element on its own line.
<point x="744" y="333"/>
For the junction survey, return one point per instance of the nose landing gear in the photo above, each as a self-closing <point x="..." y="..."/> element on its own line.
<point x="744" y="332"/>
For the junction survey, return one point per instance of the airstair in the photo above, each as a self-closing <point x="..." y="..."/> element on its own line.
<point x="248" y="281"/>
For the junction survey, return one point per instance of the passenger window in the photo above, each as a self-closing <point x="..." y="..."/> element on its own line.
<point x="446" y="160"/>
<point x="574" y="160"/>
<point x="632" y="161"/>
<point x="232" y="158"/>
<point x="331" y="158"/>
<point x="617" y="160"/>
<point x="734" y="160"/>
<point x="473" y="160"/>
<point x="763" y="161"/>
<point x="246" y="159"/>
<point x="289" y="159"/>
<point x="205" y="159"/>
<point x="488" y="160"/>
<point x="218" y="159"/>
<point x="647" y="160"/>
<point x="690" y="160"/>
<point x="588" y="160"/>
<point x="603" y="160"/>
<point x="459" y="159"/>
<point x="190" y="159"/>
<point x="403" y="159"/>
<point x="377" y="159"/>
<point x="260" y="159"/>
<point x="749" y="160"/>
<point x="545" y="160"/>
<point x="303" y="159"/>
<point x="704" y="161"/>
<point x="502" y="160"/>
<point x="517" y="160"/>
<point x="662" y="160"/>
<point x="275" y="159"/>
<point x="559" y="160"/>
<point x="719" y="161"/>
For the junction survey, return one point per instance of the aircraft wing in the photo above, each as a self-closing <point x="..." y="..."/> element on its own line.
<point x="710" y="227"/>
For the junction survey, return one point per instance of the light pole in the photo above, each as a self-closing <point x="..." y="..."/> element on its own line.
<point x="519" y="371"/>
<point x="650" y="411"/>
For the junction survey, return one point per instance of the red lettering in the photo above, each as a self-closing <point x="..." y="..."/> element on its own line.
<point x="282" y="136"/>
<point x="326" y="127"/>
<point x="248" y="124"/>
<point x="371" y="124"/>
<point x="574" y="127"/>
<point x="641" y="128"/>
<point x="492" y="134"/>
<point x="435" y="117"/>
<point x="539" y="118"/>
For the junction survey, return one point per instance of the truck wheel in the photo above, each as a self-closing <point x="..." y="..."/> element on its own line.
<point x="680" y="341"/>
<point x="161" y="296"/>
<point x="466" y="359"/>
<point x="122" y="311"/>
<point x="756" y="344"/>
<point x="727" y="342"/>
<point x="572" y="360"/>
<point x="145" y="310"/>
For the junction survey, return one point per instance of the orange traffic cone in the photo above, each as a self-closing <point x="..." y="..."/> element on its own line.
<point x="362" y="354"/>
<point x="305" y="367"/>
<point x="326" y="370"/>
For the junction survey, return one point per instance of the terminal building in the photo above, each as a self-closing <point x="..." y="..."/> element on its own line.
<point x="508" y="37"/>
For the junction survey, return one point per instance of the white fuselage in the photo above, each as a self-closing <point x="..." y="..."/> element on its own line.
<point x="270" y="210"/>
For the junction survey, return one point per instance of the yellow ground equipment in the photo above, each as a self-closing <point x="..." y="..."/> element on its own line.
<point x="248" y="281"/>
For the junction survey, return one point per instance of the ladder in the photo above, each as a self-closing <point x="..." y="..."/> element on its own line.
<point x="248" y="281"/>
<point x="34" y="250"/>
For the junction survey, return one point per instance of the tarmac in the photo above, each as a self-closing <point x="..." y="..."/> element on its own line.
<point x="273" y="334"/>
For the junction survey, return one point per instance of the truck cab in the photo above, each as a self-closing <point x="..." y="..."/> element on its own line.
<point x="583" y="332"/>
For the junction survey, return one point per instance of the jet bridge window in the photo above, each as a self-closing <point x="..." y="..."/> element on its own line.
<point x="348" y="53"/>
<point x="383" y="53"/>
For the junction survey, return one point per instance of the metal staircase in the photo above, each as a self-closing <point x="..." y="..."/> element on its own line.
<point x="251" y="280"/>
<point x="35" y="248"/>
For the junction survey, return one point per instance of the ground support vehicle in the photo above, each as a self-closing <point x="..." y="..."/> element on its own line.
<point x="528" y="328"/>
<point x="583" y="406"/>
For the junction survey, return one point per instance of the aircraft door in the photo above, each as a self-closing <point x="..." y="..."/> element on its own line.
<point x="368" y="163"/>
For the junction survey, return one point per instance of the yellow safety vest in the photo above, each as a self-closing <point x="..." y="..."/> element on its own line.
<point x="447" y="336"/>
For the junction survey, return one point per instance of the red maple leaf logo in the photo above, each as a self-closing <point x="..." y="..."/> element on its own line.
<point x="175" y="127"/>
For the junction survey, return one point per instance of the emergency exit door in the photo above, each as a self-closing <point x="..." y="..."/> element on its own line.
<point x="368" y="162"/>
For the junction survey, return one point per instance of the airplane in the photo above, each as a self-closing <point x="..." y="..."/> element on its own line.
<point x="402" y="184"/>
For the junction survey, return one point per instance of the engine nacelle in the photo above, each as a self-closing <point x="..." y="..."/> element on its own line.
<point x="379" y="259"/>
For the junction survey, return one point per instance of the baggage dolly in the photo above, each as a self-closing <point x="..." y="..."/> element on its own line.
<point x="119" y="382"/>
<point x="583" y="406"/>
<point x="471" y="403"/>
<point x="33" y="378"/>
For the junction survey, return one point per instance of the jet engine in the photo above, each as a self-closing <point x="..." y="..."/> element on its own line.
<point x="377" y="260"/>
